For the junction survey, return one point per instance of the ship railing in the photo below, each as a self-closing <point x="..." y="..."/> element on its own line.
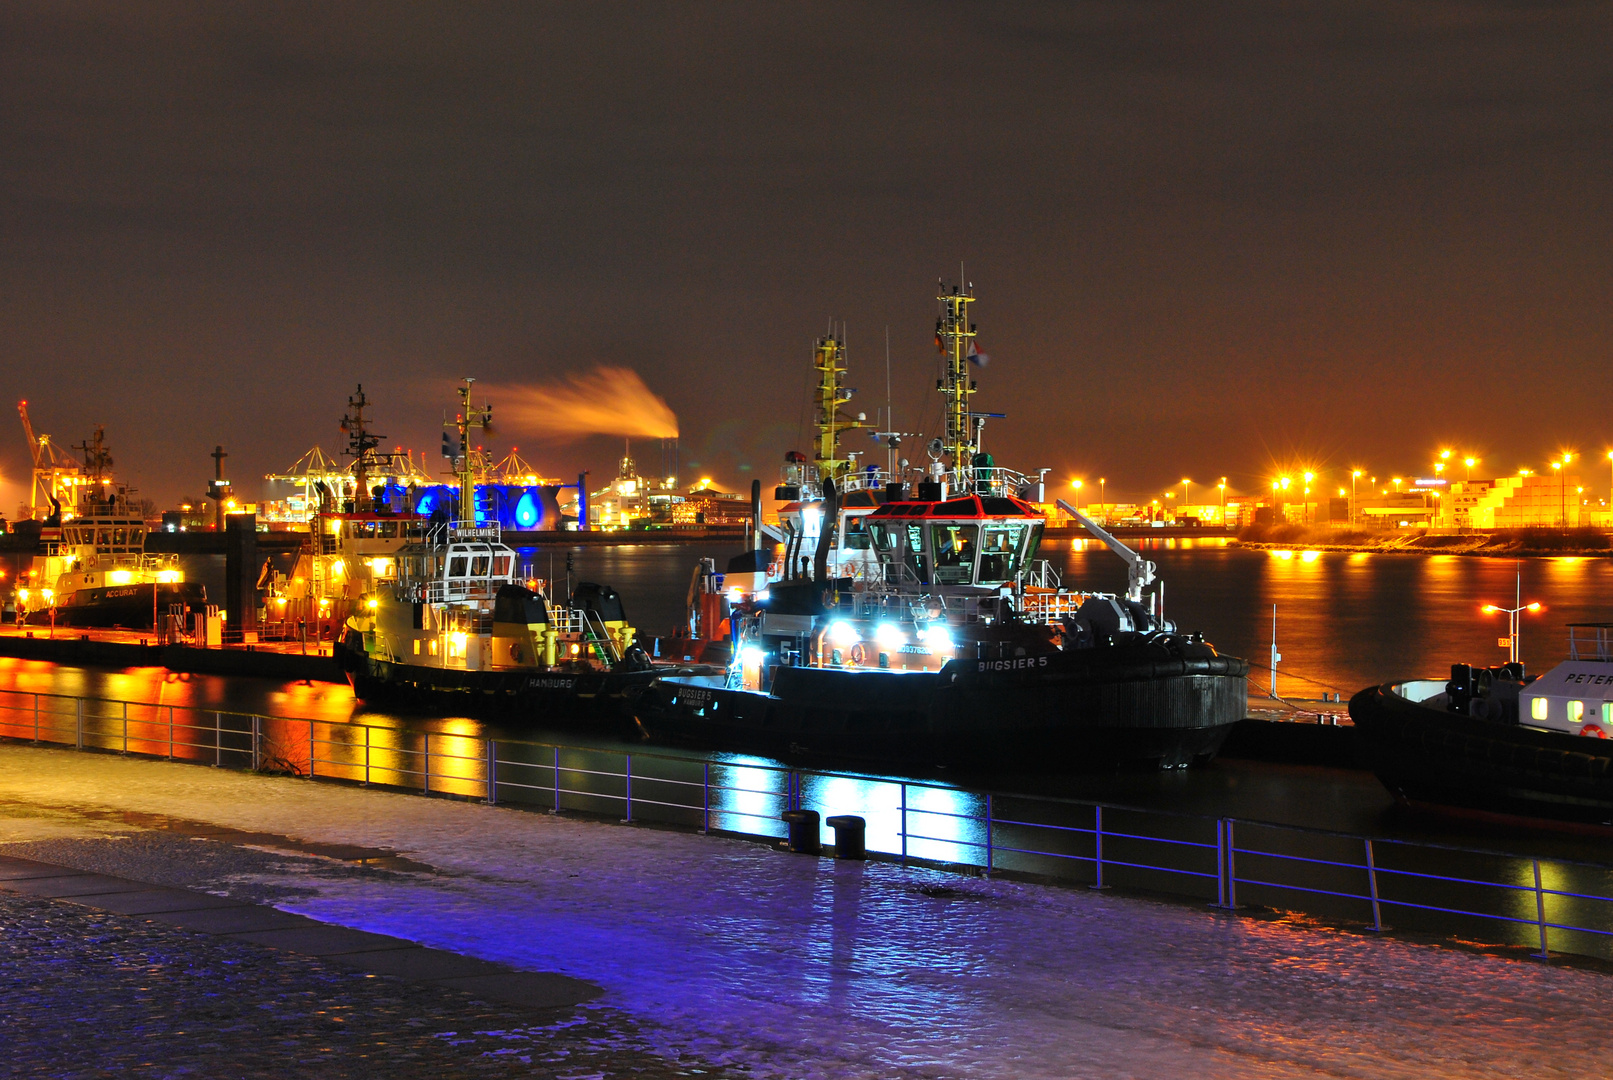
<point x="457" y="590"/>
<point x="1514" y="899"/>
<point x="1590" y="642"/>
<point x="994" y="481"/>
<point x="1049" y="609"/>
<point x="1041" y="574"/>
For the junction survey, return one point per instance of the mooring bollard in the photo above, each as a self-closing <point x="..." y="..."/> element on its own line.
<point x="851" y="836"/>
<point x="803" y="831"/>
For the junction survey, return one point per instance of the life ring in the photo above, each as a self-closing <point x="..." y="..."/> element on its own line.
<point x="859" y="654"/>
<point x="516" y="653"/>
<point x="1594" y="730"/>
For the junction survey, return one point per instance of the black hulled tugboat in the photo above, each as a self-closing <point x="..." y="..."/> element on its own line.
<point x="912" y="623"/>
<point x="1498" y="744"/>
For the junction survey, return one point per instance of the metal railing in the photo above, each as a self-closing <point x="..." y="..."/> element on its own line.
<point x="1546" y="905"/>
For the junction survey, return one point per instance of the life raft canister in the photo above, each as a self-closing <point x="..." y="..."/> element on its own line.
<point x="1594" y="730"/>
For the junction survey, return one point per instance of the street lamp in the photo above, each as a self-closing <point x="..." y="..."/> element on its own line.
<point x="1355" y="474"/>
<point x="1514" y="618"/>
<point x="1103" y="498"/>
<point x="1185" y="482"/>
<point x="1223" y="486"/>
<point x="1469" y="462"/>
<point x="1075" y="485"/>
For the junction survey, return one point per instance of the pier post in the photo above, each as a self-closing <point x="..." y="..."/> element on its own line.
<point x="36" y="718"/>
<point x="366" y="755"/>
<point x="1232" y="866"/>
<point x="904" y="824"/>
<point x="125" y="727"/>
<point x="1372" y="887"/>
<point x="492" y="769"/>
<point x="705" y="797"/>
<point x="556" y="809"/>
<point x="257" y="730"/>
<point x="989" y="852"/>
<point x="218" y="739"/>
<point x="426" y="772"/>
<point x="79" y="741"/>
<point x="1097" y="846"/>
<point x="170" y="733"/>
<point x="629" y="776"/>
<point x="1540" y="913"/>
<point x="310" y="749"/>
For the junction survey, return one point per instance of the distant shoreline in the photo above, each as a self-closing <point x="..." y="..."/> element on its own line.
<point x="1528" y="544"/>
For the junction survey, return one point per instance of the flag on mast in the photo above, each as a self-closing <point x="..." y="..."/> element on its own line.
<point x="976" y="357"/>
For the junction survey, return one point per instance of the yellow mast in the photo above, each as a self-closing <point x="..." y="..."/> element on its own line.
<point x="470" y="418"/>
<point x="954" y="332"/>
<point x="830" y="360"/>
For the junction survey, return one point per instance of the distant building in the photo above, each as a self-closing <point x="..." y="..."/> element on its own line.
<point x="1516" y="502"/>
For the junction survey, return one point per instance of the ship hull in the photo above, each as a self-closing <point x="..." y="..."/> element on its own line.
<point x="526" y="695"/>
<point x="127" y="607"/>
<point x="1435" y="759"/>
<point x="1099" y="711"/>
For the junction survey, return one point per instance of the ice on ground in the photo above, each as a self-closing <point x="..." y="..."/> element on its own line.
<point x="793" y="966"/>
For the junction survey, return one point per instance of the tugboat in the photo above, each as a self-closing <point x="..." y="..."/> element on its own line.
<point x="1496" y="744"/>
<point x="452" y="620"/>
<point x="93" y="570"/>
<point x="928" y="632"/>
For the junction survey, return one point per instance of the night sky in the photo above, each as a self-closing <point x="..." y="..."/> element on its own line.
<point x="1206" y="239"/>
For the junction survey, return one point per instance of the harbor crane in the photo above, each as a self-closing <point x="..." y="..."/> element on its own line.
<point x="51" y="469"/>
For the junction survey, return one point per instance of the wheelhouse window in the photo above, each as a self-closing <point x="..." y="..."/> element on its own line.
<point x="955" y="547"/>
<point x="1537" y="708"/>
<point x="1001" y="551"/>
<point x="501" y="565"/>
<point x="457" y="566"/>
<point x="856" y="536"/>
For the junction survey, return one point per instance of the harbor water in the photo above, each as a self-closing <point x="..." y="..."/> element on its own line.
<point x="1344" y="620"/>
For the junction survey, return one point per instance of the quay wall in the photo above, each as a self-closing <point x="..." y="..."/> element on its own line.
<point x="84" y="650"/>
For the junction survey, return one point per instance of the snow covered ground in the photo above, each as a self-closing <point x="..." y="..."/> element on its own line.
<point x="792" y="966"/>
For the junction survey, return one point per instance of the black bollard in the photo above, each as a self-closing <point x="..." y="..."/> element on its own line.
<point x="803" y="831"/>
<point x="851" y="836"/>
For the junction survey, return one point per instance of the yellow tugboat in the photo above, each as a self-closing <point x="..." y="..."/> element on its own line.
<point x="92" y="569"/>
<point x="453" y="619"/>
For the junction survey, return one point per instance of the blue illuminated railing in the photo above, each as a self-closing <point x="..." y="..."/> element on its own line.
<point x="1547" y="905"/>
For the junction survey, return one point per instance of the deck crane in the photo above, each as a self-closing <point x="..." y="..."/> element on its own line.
<point x="50" y="465"/>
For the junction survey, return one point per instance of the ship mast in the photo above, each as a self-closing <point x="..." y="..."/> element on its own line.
<point x="360" y="447"/>
<point x="830" y="360"/>
<point x="954" y="334"/>
<point x="470" y="418"/>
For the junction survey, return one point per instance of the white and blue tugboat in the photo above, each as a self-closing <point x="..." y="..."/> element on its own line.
<point x="912" y="623"/>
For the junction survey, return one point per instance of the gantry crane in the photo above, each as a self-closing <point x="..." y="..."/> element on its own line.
<point x="51" y="466"/>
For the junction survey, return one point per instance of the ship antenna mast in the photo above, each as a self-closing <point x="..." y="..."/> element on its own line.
<point x="470" y="418"/>
<point x="360" y="447"/>
<point x="954" y="334"/>
<point x="829" y="359"/>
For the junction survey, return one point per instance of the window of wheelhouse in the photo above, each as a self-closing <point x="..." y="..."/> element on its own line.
<point x="955" y="546"/>
<point x="855" y="536"/>
<point x="1002" y="548"/>
<point x="501" y="565"/>
<point x="457" y="566"/>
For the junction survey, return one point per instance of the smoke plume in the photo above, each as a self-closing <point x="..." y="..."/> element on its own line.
<point x="604" y="401"/>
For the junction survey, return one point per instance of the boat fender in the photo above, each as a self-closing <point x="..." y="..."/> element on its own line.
<point x="1593" y="730"/>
